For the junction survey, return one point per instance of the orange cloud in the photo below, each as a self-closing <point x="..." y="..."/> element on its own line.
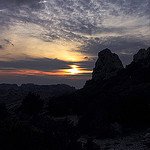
<point x="74" y="70"/>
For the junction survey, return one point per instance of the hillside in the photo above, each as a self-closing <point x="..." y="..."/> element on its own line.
<point x="114" y="95"/>
<point x="10" y="93"/>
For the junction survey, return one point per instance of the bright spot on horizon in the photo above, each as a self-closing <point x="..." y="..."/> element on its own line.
<point x="74" y="69"/>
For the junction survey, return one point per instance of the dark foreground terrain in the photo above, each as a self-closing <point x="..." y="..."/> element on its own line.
<point x="112" y="111"/>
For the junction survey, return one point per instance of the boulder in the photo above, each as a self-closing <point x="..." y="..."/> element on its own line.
<point x="107" y="65"/>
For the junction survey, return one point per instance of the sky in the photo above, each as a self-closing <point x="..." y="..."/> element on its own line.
<point x="57" y="41"/>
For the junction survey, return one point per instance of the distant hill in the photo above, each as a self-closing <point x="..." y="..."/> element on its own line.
<point x="12" y="92"/>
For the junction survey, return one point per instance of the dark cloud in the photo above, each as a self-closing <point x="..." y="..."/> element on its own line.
<point x="86" y="58"/>
<point x="132" y="6"/>
<point x="44" y="64"/>
<point x="5" y="69"/>
<point x="41" y="64"/>
<point x="88" y="65"/>
<point x="8" y="42"/>
<point x="117" y="44"/>
<point x="123" y="46"/>
<point x="13" y="4"/>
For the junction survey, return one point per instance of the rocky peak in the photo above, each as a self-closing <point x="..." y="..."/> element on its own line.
<point x="107" y="65"/>
<point x="141" y="55"/>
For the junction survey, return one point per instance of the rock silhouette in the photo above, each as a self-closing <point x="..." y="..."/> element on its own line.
<point x="114" y="95"/>
<point x="141" y="55"/>
<point x="107" y="65"/>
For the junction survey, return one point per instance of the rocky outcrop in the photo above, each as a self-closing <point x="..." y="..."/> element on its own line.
<point x="141" y="55"/>
<point x="107" y="65"/>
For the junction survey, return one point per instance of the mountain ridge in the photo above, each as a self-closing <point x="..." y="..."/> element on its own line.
<point x="12" y="92"/>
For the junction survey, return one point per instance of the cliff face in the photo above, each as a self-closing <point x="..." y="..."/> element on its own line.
<point x="107" y="65"/>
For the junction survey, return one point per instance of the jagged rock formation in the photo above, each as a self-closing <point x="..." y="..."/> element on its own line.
<point x="107" y="65"/>
<point x="141" y="55"/>
<point x="114" y="95"/>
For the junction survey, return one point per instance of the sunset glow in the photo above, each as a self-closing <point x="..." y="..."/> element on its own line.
<point x="60" y="39"/>
<point x="74" y="69"/>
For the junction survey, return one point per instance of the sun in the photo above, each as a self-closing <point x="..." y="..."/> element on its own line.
<point x="74" y="69"/>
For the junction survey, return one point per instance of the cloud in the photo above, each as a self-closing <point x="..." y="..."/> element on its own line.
<point x="44" y="64"/>
<point x="117" y="44"/>
<point x="8" y="42"/>
<point x="124" y="46"/>
<point x="88" y="65"/>
<point x="116" y="24"/>
<point x="86" y="58"/>
<point x="10" y="4"/>
<point x="41" y="64"/>
<point x="75" y="20"/>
